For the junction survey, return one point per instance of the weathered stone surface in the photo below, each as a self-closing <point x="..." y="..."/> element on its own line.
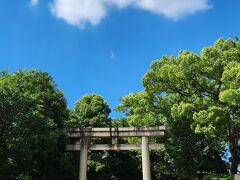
<point x="115" y="132"/>
<point x="105" y="147"/>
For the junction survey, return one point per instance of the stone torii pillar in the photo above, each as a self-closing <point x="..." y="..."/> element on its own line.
<point x="83" y="158"/>
<point x="85" y="134"/>
<point x="145" y="159"/>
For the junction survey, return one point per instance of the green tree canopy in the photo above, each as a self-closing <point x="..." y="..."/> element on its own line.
<point x="196" y="97"/>
<point x="32" y="114"/>
<point x="90" y="111"/>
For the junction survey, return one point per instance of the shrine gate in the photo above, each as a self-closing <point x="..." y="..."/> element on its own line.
<point x="82" y="138"/>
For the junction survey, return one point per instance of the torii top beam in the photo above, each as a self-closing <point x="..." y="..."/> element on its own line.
<point x="115" y="132"/>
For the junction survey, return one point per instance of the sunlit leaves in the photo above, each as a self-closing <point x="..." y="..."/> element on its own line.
<point x="90" y="111"/>
<point x="196" y="97"/>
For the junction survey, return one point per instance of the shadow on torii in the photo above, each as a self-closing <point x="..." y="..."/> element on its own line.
<point x="84" y="134"/>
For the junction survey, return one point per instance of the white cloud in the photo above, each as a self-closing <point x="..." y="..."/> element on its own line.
<point x="173" y="9"/>
<point x="34" y="3"/>
<point x="79" y="12"/>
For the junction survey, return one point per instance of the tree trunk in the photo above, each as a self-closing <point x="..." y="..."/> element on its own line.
<point x="234" y="154"/>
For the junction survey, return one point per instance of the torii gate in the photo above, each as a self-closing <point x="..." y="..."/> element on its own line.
<point x="84" y="134"/>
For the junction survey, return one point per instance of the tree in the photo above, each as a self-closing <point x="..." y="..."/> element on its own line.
<point x="196" y="96"/>
<point x="32" y="114"/>
<point x="139" y="110"/>
<point x="90" y="111"/>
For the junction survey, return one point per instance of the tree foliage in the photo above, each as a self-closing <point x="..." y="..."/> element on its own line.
<point x="32" y="112"/>
<point x="196" y="97"/>
<point x="90" y="111"/>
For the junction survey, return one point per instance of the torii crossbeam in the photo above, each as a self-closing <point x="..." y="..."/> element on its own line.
<point x="84" y="134"/>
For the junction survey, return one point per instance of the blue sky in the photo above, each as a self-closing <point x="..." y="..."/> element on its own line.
<point x="106" y="46"/>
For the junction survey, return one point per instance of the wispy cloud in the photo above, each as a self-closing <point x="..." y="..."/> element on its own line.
<point x="33" y="3"/>
<point x="112" y="55"/>
<point x="80" y="12"/>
